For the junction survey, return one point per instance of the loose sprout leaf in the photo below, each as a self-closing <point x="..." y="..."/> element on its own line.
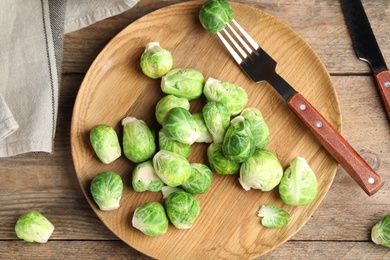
<point x="273" y="217"/>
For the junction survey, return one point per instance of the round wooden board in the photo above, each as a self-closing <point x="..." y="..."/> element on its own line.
<point x="115" y="87"/>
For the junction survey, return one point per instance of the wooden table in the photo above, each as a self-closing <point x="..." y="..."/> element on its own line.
<point x="339" y="228"/>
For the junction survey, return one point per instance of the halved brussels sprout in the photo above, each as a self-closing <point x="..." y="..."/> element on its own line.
<point x="200" y="179"/>
<point x="171" y="168"/>
<point x="233" y="96"/>
<point x="34" y="227"/>
<point x="217" y="119"/>
<point x="214" y="15"/>
<point x="258" y="126"/>
<point x="219" y="163"/>
<point x="183" y="82"/>
<point x="151" y="219"/>
<point x="380" y="233"/>
<point x="144" y="178"/>
<point x="179" y="125"/>
<point x="182" y="209"/>
<point x="261" y="171"/>
<point x="168" y="144"/>
<point x="106" y="189"/>
<point x="204" y="134"/>
<point x="299" y="183"/>
<point x="273" y="217"/>
<point x="138" y="140"/>
<point x="105" y="143"/>
<point x="155" y="60"/>
<point x="167" y="103"/>
<point x="238" y="143"/>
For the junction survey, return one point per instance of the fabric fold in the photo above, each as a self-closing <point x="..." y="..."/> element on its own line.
<point x="31" y="49"/>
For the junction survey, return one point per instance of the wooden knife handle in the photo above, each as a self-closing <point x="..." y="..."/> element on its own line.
<point x="336" y="145"/>
<point x="382" y="80"/>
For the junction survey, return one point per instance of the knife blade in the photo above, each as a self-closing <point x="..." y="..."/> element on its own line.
<point x="367" y="48"/>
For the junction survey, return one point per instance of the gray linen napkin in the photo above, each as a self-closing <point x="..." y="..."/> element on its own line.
<point x="30" y="65"/>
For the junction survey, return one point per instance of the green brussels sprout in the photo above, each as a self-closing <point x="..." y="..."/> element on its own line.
<point x="144" y="178"/>
<point x="156" y="61"/>
<point x="105" y="143"/>
<point x="214" y="15"/>
<point x="151" y="219"/>
<point x="180" y="125"/>
<point x="33" y="227"/>
<point x="171" y="168"/>
<point x="168" y="144"/>
<point x="233" y="96"/>
<point x="167" y="103"/>
<point x="204" y="134"/>
<point x="168" y="190"/>
<point x="261" y="171"/>
<point x="380" y="233"/>
<point x="184" y="83"/>
<point x="219" y="163"/>
<point x="299" y="183"/>
<point x="138" y="140"/>
<point x="258" y="126"/>
<point x="106" y="189"/>
<point x="273" y="217"/>
<point x="182" y="209"/>
<point x="200" y="179"/>
<point x="217" y="119"/>
<point x="238" y="143"/>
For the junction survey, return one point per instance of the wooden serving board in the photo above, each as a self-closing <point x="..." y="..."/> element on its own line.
<point x="115" y="87"/>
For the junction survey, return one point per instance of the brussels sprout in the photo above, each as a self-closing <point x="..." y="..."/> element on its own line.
<point x="179" y="125"/>
<point x="182" y="209"/>
<point x="168" y="190"/>
<point x="238" y="143"/>
<point x="167" y="103"/>
<point x="380" y="233"/>
<point x="219" y="163"/>
<point x="144" y="178"/>
<point x="200" y="179"/>
<point x="155" y="61"/>
<point x="214" y="15"/>
<point x="106" y="189"/>
<point x="217" y="119"/>
<point x="151" y="219"/>
<point x="273" y="217"/>
<point x="34" y="227"/>
<point x="261" y="171"/>
<point x="184" y="83"/>
<point x="138" y="140"/>
<point x="105" y="143"/>
<point x="204" y="134"/>
<point x="234" y="97"/>
<point x="171" y="168"/>
<point x="168" y="144"/>
<point x="258" y="126"/>
<point x="299" y="183"/>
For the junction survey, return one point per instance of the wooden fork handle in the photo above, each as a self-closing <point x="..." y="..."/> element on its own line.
<point x="382" y="80"/>
<point x="336" y="145"/>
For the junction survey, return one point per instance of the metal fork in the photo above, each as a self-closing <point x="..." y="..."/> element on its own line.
<point x="260" y="66"/>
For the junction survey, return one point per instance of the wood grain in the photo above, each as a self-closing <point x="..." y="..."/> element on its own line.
<point x="114" y="87"/>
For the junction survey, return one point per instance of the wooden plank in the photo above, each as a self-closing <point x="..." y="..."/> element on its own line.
<point x="320" y="24"/>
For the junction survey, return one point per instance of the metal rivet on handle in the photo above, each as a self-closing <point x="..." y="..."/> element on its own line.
<point x="318" y="124"/>
<point x="387" y="84"/>
<point x="371" y="180"/>
<point x="302" y="107"/>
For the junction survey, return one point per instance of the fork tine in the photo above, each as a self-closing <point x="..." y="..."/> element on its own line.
<point x="246" y="35"/>
<point x="232" y="51"/>
<point x="243" y="43"/>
